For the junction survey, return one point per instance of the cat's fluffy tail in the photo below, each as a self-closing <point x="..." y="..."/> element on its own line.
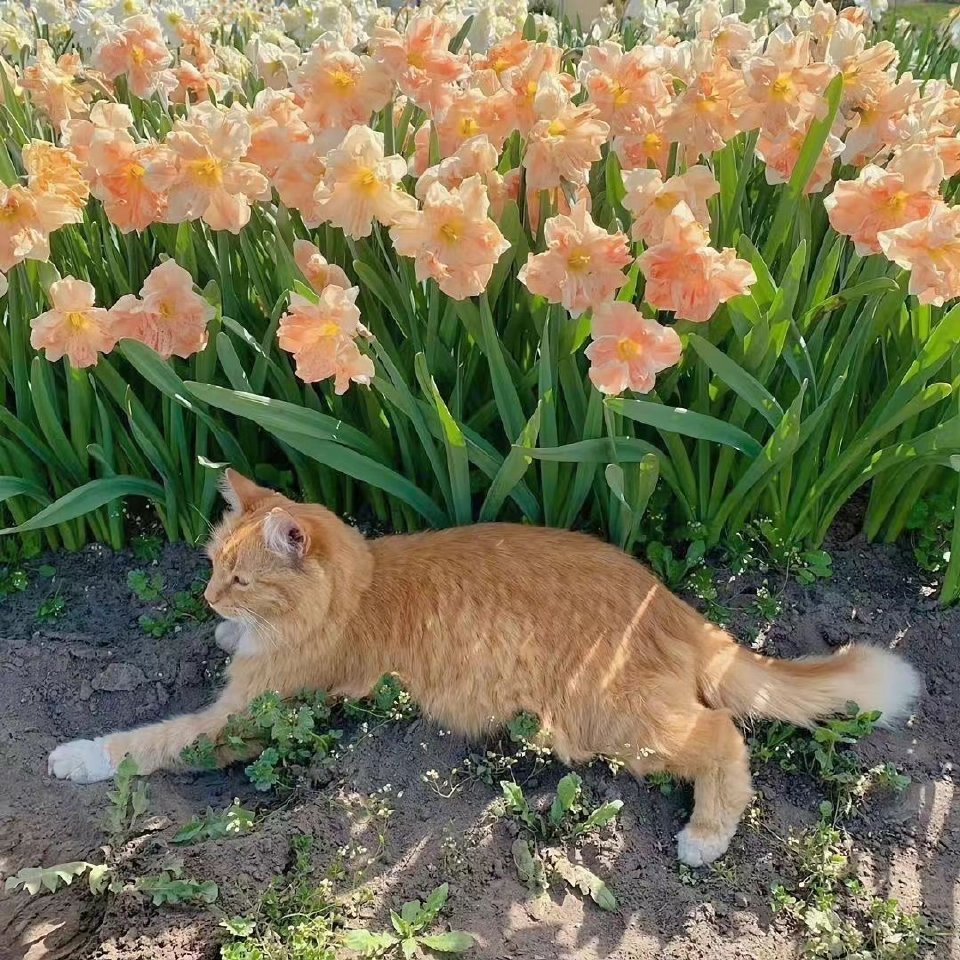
<point x="802" y="691"/>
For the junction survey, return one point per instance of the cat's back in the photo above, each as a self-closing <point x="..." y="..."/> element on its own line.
<point x="525" y="561"/>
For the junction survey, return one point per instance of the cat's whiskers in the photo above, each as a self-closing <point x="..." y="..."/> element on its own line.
<point x="268" y="631"/>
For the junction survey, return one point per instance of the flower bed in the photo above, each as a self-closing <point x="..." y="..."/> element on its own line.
<point x="444" y="269"/>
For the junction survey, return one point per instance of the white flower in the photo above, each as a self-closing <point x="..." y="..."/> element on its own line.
<point x="875" y="8"/>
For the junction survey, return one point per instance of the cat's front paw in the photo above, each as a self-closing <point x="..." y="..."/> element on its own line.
<point x="82" y="761"/>
<point x="696" y="848"/>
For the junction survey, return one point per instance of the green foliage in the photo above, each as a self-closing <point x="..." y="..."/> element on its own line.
<point x="388" y="702"/>
<point x="147" y="548"/>
<point x="170" y="887"/>
<point x="146" y="587"/>
<point x="185" y="606"/>
<point x="408" y="934"/>
<point x="827" y="900"/>
<point x="930" y="524"/>
<point x="52" y="608"/>
<point x="287" y="735"/>
<point x="33" y="880"/>
<point x="539" y="853"/>
<point x="826" y="378"/>
<point x="12" y="580"/>
<point x="128" y="799"/>
<point x="231" y="822"/>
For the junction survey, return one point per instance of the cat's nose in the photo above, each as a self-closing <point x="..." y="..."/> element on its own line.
<point x="211" y="594"/>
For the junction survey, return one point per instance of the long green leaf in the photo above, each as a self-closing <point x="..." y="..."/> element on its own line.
<point x="686" y="422"/>
<point x="744" y="384"/>
<point x="91" y="496"/>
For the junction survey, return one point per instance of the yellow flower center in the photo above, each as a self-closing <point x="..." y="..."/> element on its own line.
<point x="628" y="349"/>
<point x="578" y="260"/>
<point x="652" y="141"/>
<point x="499" y="65"/>
<point x="10" y="208"/>
<point x="77" y="322"/>
<point x="898" y="202"/>
<point x="451" y="231"/>
<point x="342" y="80"/>
<point x="665" y="200"/>
<point x="557" y="128"/>
<point x="416" y="60"/>
<point x="329" y="329"/>
<point x="469" y="127"/>
<point x="135" y="171"/>
<point x="165" y="310"/>
<point x="366" y="180"/>
<point x="707" y="103"/>
<point x="137" y="55"/>
<point x="621" y="97"/>
<point x="208" y="172"/>
<point x="782" y="88"/>
<point x="531" y="89"/>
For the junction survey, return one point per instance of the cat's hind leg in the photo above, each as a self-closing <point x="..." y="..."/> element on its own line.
<point x="704" y="746"/>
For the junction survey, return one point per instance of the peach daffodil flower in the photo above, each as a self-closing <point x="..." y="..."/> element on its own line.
<point x="930" y="249"/>
<point x="322" y="338"/>
<point x="452" y="238"/>
<point x="628" y="350"/>
<point x="361" y="185"/>
<point x="213" y="182"/>
<point x="686" y="275"/>
<point x="582" y="265"/>
<point x="420" y="61"/>
<point x="884" y="199"/>
<point x="651" y="201"/>
<point x="27" y="218"/>
<point x="139" y="52"/>
<point x="565" y="142"/>
<point x="170" y="317"/>
<point x="340" y="88"/>
<point x="73" y="328"/>
<point x="315" y="269"/>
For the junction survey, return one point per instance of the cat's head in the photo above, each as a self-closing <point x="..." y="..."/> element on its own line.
<point x="275" y="558"/>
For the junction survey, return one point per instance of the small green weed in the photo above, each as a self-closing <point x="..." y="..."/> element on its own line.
<point x="539" y="853"/>
<point x="147" y="548"/>
<point x="930" y="524"/>
<point x="662" y="781"/>
<point x="525" y="742"/>
<point x="827" y="900"/>
<point x="298" y="918"/>
<point x="288" y="735"/>
<point x="823" y="753"/>
<point x="170" y="887"/>
<point x="409" y="937"/>
<point x="128" y="799"/>
<point x="12" y="580"/>
<point x="128" y="802"/>
<point x="388" y="702"/>
<point x="146" y="587"/>
<point x="184" y="606"/>
<point x="231" y="822"/>
<point x="674" y="570"/>
<point x="53" y="608"/>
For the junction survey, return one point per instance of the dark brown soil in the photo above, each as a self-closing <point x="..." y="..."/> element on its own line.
<point x="61" y="681"/>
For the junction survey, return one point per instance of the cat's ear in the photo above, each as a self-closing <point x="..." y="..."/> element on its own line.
<point x="239" y="492"/>
<point x="284" y="536"/>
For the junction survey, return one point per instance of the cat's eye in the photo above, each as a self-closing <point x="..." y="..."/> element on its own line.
<point x="239" y="581"/>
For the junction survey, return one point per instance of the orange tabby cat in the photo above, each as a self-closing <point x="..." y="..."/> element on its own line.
<point x="483" y="622"/>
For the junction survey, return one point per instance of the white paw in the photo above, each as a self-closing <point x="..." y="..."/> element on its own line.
<point x="695" y="848"/>
<point x="82" y="761"/>
<point x="227" y="635"/>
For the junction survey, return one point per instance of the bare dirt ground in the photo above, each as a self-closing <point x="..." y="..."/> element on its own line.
<point x="94" y="669"/>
